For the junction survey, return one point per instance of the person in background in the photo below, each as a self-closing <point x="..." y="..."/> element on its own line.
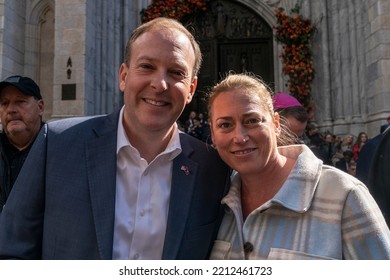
<point x="366" y="154"/>
<point x="190" y="121"/>
<point x="360" y="141"/>
<point x="330" y="146"/>
<point x="317" y="143"/>
<point x="21" y="110"/>
<point x="127" y="185"/>
<point x="284" y="203"/>
<point x="292" y="112"/>
<point x="346" y="144"/>
<point x="352" y="168"/>
<point x="196" y="130"/>
<point x="343" y="163"/>
<point x="202" y="119"/>
<point x="387" y="124"/>
<point x="379" y="175"/>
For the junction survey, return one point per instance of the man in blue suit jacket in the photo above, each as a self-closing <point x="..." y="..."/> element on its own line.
<point x="127" y="185"/>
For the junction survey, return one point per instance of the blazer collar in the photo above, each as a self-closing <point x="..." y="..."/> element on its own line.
<point x="101" y="168"/>
<point x="184" y="174"/>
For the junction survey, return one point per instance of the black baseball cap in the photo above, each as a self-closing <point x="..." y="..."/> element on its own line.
<point x="24" y="84"/>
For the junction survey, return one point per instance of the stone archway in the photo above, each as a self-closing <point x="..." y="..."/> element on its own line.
<point x="232" y="37"/>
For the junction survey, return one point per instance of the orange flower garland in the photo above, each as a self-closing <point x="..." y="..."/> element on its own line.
<point x="176" y="9"/>
<point x="295" y="34"/>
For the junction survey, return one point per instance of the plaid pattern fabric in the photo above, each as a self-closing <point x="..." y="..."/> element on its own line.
<point x="319" y="213"/>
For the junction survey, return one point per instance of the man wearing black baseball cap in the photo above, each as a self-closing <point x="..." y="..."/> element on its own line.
<point x="21" y="110"/>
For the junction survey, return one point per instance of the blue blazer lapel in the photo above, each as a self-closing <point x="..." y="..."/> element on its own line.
<point x="101" y="168"/>
<point x="183" y="184"/>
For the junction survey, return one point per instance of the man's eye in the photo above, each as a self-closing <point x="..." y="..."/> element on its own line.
<point x="179" y="74"/>
<point x="146" y="66"/>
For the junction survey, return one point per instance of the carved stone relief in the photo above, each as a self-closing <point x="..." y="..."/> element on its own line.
<point x="232" y="21"/>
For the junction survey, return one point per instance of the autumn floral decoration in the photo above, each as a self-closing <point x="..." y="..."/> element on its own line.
<point x="295" y="33"/>
<point x="176" y="9"/>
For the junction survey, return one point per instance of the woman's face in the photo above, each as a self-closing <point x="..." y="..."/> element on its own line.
<point x="348" y="139"/>
<point x="243" y="131"/>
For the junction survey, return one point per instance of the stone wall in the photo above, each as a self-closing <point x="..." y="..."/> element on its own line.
<point x="351" y="59"/>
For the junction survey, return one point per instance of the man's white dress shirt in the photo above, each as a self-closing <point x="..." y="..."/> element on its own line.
<point x="142" y="199"/>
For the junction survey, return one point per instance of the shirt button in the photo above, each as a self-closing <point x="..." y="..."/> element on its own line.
<point x="136" y="256"/>
<point x="248" y="247"/>
<point x="142" y="213"/>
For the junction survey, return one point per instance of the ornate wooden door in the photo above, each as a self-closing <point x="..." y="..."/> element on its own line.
<point x="232" y="38"/>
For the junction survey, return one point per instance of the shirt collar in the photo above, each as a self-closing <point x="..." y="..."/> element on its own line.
<point x="173" y="148"/>
<point x="298" y="191"/>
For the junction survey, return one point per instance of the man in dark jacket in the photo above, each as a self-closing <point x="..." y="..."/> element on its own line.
<point x="366" y="155"/>
<point x="21" y="110"/>
<point x="379" y="175"/>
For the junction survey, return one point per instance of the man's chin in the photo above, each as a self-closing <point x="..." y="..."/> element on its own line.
<point x="15" y="130"/>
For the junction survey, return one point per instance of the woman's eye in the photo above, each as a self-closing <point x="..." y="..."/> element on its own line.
<point x="253" y="121"/>
<point x="224" y="125"/>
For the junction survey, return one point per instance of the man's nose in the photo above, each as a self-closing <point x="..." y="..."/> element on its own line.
<point x="159" y="82"/>
<point x="11" y="108"/>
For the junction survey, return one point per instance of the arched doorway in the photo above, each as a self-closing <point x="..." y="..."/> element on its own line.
<point x="234" y="38"/>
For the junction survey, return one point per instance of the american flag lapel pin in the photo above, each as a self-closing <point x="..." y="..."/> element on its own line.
<point x="185" y="169"/>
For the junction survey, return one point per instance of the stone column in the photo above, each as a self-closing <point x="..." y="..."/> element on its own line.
<point x="378" y="64"/>
<point x="70" y="42"/>
<point x="321" y="88"/>
<point x="335" y="67"/>
<point x="352" y="8"/>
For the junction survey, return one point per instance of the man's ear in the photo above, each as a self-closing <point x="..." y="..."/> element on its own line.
<point x="193" y="85"/>
<point x="41" y="106"/>
<point x="122" y="76"/>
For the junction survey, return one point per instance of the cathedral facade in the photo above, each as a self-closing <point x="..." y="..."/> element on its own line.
<point x="73" y="49"/>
